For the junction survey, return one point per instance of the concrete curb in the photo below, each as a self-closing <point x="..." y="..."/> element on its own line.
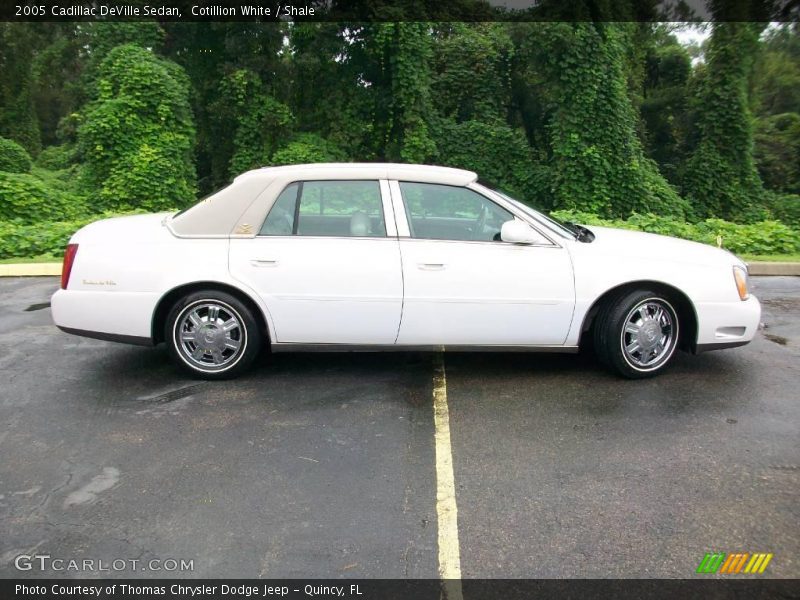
<point x="30" y="269"/>
<point x="773" y="268"/>
<point x="48" y="269"/>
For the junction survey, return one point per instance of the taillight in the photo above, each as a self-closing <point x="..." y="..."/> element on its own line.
<point x="66" y="268"/>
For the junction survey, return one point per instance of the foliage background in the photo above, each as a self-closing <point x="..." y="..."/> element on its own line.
<point x="602" y="122"/>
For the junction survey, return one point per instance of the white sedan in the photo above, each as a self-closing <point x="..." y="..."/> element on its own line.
<point x="393" y="257"/>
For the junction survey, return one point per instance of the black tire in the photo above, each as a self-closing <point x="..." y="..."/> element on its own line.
<point x="231" y="338"/>
<point x="640" y="354"/>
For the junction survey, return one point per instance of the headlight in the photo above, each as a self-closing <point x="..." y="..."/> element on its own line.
<point x="740" y="276"/>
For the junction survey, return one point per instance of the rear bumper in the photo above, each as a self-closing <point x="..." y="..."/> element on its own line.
<point x="115" y="316"/>
<point x="109" y="337"/>
<point x="727" y="324"/>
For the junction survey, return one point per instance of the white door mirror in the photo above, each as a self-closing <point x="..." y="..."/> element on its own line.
<point x="517" y="232"/>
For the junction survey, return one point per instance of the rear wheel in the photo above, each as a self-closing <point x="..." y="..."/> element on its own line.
<point x="212" y="335"/>
<point x="636" y="333"/>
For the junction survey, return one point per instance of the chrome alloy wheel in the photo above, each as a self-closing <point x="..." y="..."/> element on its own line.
<point x="649" y="334"/>
<point x="210" y="335"/>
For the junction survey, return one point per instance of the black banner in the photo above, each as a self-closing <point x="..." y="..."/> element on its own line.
<point x="382" y="589"/>
<point x="399" y="10"/>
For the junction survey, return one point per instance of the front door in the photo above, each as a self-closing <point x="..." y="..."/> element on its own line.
<point x="463" y="286"/>
<point x="324" y="264"/>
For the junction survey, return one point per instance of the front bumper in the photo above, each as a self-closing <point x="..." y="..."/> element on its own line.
<point x="727" y="324"/>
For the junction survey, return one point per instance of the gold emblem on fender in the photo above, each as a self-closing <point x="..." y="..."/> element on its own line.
<point x="244" y="229"/>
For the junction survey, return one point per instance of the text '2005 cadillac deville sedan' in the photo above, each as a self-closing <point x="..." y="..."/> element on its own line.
<point x="393" y="256"/>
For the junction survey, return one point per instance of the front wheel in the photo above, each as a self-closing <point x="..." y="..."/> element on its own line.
<point x="636" y="334"/>
<point x="212" y="335"/>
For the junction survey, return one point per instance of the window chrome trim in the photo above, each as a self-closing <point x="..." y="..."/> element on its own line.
<point x="399" y="210"/>
<point x="496" y="244"/>
<point x="316" y="237"/>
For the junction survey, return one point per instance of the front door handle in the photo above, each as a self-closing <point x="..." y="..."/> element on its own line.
<point x="264" y="262"/>
<point x="431" y="266"/>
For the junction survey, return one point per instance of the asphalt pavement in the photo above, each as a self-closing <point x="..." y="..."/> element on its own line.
<point x="324" y="465"/>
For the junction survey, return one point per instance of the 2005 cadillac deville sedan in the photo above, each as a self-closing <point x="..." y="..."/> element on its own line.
<point x="393" y="256"/>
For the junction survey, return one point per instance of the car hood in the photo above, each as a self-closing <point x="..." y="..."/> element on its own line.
<point x="138" y="227"/>
<point x="625" y="243"/>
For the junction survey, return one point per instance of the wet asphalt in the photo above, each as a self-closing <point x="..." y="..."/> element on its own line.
<point x="323" y="465"/>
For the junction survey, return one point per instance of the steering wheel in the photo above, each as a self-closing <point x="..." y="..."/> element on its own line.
<point x="480" y="223"/>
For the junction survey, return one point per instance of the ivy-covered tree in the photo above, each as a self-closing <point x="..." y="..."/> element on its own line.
<point x="596" y="159"/>
<point x="261" y="123"/>
<point x="330" y="97"/>
<point x="664" y="107"/>
<point x="402" y="55"/>
<point x="136" y="135"/>
<point x="13" y="157"/>
<point x="308" y="148"/>
<point x="471" y="78"/>
<point x="18" y="42"/>
<point x="721" y="177"/>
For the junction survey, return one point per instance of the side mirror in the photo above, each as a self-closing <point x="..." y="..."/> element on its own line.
<point x="517" y="232"/>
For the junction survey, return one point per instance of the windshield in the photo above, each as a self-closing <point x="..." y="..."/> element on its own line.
<point x="561" y="228"/>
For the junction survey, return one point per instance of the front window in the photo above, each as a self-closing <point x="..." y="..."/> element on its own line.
<point x="562" y="229"/>
<point x="444" y="212"/>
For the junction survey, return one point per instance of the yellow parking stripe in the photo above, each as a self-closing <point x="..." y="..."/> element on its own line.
<point x="446" y="509"/>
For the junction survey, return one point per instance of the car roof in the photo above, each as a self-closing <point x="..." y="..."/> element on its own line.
<point x="253" y="192"/>
<point x="399" y="171"/>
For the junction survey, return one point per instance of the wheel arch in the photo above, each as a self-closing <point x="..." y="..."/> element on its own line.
<point x="681" y="301"/>
<point x="166" y="302"/>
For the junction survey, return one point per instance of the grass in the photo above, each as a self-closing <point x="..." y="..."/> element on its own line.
<point x="44" y="258"/>
<point x="770" y="257"/>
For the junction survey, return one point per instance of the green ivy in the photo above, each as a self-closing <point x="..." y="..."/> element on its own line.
<point x="596" y="158"/>
<point x="56" y="157"/>
<point x="30" y="200"/>
<point x="308" y="148"/>
<point x="499" y="154"/>
<point x="765" y="237"/>
<point x="13" y="157"/>
<point x="404" y="53"/>
<point x="20" y="239"/>
<point x="721" y="178"/>
<point x="137" y="136"/>
<point x="262" y="123"/>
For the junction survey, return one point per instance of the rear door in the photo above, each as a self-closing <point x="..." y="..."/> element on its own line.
<point x="327" y="263"/>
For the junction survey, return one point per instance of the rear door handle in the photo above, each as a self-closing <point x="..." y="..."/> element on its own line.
<point x="431" y="266"/>
<point x="264" y="262"/>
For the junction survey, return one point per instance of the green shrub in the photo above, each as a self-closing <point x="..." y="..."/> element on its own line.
<point x="308" y="148"/>
<point x="498" y="152"/>
<point x="764" y="237"/>
<point x="13" y="157"/>
<point x="785" y="208"/>
<point x="30" y="200"/>
<point x="137" y="135"/>
<point x="56" y="158"/>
